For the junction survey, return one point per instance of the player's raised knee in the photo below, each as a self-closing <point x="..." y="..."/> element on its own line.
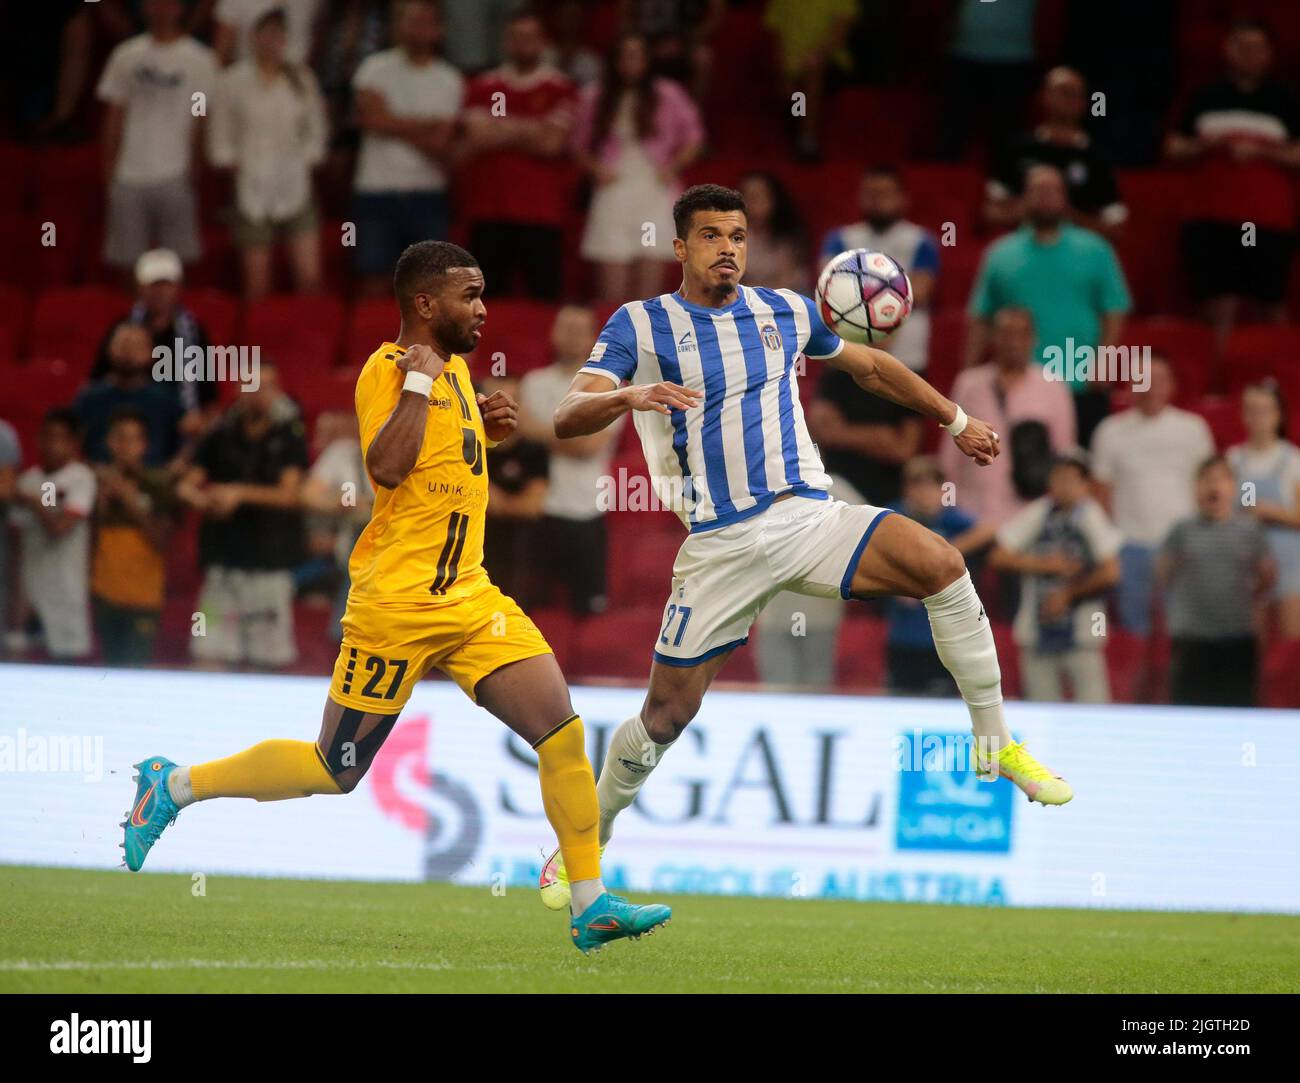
<point x="665" y="717"/>
<point x="944" y="566"/>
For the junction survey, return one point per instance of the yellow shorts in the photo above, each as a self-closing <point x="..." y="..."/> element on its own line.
<point x="388" y="646"/>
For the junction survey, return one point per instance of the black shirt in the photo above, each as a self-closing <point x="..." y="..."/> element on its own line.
<point x="880" y="483"/>
<point x="254" y="538"/>
<point x="1089" y="178"/>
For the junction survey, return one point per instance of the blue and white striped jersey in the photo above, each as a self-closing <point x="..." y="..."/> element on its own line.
<point x="747" y="443"/>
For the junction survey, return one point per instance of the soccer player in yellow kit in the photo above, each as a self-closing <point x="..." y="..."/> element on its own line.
<point x="420" y="598"/>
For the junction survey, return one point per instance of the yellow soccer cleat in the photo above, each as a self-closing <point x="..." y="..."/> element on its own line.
<point x="554" y="881"/>
<point x="1037" y="781"/>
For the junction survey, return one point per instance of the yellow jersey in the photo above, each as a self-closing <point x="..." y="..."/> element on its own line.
<point x="424" y="541"/>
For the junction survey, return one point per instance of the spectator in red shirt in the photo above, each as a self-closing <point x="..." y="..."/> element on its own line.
<point x="1241" y="134"/>
<point x="517" y="187"/>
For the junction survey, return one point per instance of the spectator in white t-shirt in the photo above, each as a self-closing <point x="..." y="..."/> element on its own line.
<point x="407" y="101"/>
<point x="883" y="201"/>
<point x="268" y="124"/>
<point x="572" y="530"/>
<point x="51" y="510"/>
<point x="1145" y="460"/>
<point x="236" y="22"/>
<point x="1067" y="553"/>
<point x="1267" y="469"/>
<point x="155" y="86"/>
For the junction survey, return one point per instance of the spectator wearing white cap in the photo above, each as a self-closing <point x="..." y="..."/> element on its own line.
<point x="269" y="126"/>
<point x="159" y="306"/>
<point x="155" y="86"/>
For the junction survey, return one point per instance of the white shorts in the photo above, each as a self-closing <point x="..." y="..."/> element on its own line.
<point x="248" y="617"/>
<point x="722" y="578"/>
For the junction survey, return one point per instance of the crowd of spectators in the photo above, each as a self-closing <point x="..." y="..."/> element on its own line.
<point x="1109" y="504"/>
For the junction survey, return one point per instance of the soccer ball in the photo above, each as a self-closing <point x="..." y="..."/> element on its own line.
<point x="863" y="296"/>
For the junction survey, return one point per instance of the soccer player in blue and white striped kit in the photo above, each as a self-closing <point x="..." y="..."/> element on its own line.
<point x="708" y="374"/>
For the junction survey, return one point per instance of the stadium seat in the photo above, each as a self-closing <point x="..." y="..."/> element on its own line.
<point x="617" y="644"/>
<point x="1223" y="415"/>
<point x="300" y="333"/>
<point x="14" y="311"/>
<point x="1278" y="682"/>
<point x="860" y="652"/>
<point x="316" y="392"/>
<point x="16" y="176"/>
<point x="217" y="311"/>
<point x="1259" y="350"/>
<point x="519" y="331"/>
<point x="370" y="322"/>
<point x="559" y="626"/>
<point x="1188" y="344"/>
<point x="69" y="322"/>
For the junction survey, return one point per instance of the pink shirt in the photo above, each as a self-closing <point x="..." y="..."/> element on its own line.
<point x="677" y="125"/>
<point x="987" y="492"/>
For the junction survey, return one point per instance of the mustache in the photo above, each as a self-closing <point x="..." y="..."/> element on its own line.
<point x="727" y="263"/>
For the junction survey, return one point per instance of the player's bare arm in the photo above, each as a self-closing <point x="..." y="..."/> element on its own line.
<point x="592" y="404"/>
<point x="392" y="454"/>
<point x="883" y="374"/>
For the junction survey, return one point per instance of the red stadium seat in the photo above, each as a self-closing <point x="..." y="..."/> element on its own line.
<point x="1278" y="686"/>
<point x="516" y="338"/>
<point x="617" y="644"/>
<point x="15" y="309"/>
<point x="217" y="311"/>
<point x="1256" y="351"/>
<point x="1187" y="344"/>
<point x="1223" y="415"/>
<point x="948" y="330"/>
<point x="559" y="626"/>
<point x="316" y="392"/>
<point x="300" y="333"/>
<point x="69" y="323"/>
<point x="860" y="652"/>
<point x="370" y="322"/>
<point x="17" y="176"/>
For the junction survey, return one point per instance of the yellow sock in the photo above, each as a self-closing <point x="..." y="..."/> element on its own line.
<point x="569" y="797"/>
<point x="270" y="771"/>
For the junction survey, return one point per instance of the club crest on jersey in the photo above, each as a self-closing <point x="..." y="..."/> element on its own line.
<point x="771" y="336"/>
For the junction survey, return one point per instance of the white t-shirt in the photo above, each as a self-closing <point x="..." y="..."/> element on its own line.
<point x="154" y="82"/>
<point x="1150" y="463"/>
<point x="340" y="464"/>
<point x="55" y="572"/>
<point x="431" y="91"/>
<point x="300" y="19"/>
<point x="574" y="481"/>
<point x="1084" y="533"/>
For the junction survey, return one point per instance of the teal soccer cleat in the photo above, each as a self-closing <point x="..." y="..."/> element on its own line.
<point x="612" y="917"/>
<point x="153" y="811"/>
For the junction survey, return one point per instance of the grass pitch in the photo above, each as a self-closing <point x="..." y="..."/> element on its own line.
<point x="73" y="931"/>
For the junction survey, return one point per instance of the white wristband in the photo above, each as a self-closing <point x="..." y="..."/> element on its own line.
<point x="958" y="424"/>
<point x="419" y="382"/>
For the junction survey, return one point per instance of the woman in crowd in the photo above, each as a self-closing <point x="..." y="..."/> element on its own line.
<point x="634" y="135"/>
<point x="268" y="125"/>
<point x="777" y="244"/>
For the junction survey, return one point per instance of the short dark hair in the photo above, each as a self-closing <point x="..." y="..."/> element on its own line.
<point x="1250" y="23"/>
<point x="884" y="169"/>
<point x="127" y="413"/>
<point x="66" y="417"/>
<point x="1209" y="464"/>
<point x="423" y="262"/>
<point x="704" y="197"/>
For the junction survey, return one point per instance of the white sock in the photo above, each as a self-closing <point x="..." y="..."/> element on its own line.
<point x="179" y="788"/>
<point x="964" y="640"/>
<point x="582" y="893"/>
<point x="628" y="762"/>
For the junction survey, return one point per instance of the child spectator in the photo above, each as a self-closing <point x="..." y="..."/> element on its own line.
<point x="1216" y="569"/>
<point x="1270" y="464"/>
<point x="914" y="667"/>
<point x="51" y="509"/>
<point x="135" y="511"/>
<point x="1067" y="553"/>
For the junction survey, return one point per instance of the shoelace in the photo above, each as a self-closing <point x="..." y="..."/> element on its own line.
<point x="1023" y="763"/>
<point x="152" y="832"/>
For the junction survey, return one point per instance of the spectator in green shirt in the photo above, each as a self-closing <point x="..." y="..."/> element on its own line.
<point x="1069" y="278"/>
